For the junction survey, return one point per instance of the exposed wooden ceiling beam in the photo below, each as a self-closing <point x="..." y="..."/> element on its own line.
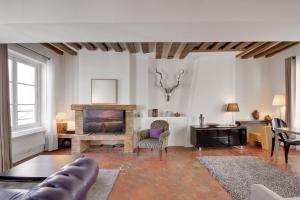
<point x="217" y="46"/>
<point x="116" y="46"/>
<point x="276" y="48"/>
<point x="258" y="50"/>
<point x="75" y="46"/>
<point x="282" y="49"/>
<point x="89" y="46"/>
<point x="158" y="50"/>
<point x="145" y="47"/>
<point x="204" y="46"/>
<point x="188" y="48"/>
<point x="53" y="48"/>
<point x="102" y="46"/>
<point x="173" y="49"/>
<point x="65" y="48"/>
<point x="131" y="47"/>
<point x="166" y="49"/>
<point x="230" y="46"/>
<point x="242" y="45"/>
<point x="180" y="49"/>
<point x="254" y="46"/>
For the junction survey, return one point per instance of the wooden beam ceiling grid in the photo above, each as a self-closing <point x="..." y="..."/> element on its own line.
<point x="166" y="49"/>
<point x="173" y="50"/>
<point x="230" y="45"/>
<point x="102" y="46"/>
<point x="65" y="48"/>
<point x="258" y="50"/>
<point x="89" y="46"/>
<point x="275" y="48"/>
<point x="281" y="49"/>
<point x="256" y="45"/>
<point x="53" y="48"/>
<point x="75" y="46"/>
<point x="116" y="46"/>
<point x="188" y="48"/>
<point x="131" y="47"/>
<point x="180" y="49"/>
<point x="158" y="50"/>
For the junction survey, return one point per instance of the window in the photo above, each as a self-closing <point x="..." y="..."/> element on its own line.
<point x="24" y="82"/>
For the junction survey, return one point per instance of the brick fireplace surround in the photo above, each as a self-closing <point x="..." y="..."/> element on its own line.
<point x="81" y="142"/>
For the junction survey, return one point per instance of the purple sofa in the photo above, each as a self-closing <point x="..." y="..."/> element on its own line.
<point x="71" y="183"/>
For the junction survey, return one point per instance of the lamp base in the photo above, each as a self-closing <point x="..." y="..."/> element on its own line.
<point x="61" y="127"/>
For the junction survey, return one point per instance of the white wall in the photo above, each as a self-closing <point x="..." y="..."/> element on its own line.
<point x="99" y="65"/>
<point x="258" y="80"/>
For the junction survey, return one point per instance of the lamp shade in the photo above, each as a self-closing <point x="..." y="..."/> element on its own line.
<point x="278" y="100"/>
<point x="61" y="117"/>
<point x="233" y="107"/>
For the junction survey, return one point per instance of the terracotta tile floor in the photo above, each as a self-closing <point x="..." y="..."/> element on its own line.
<point x="177" y="176"/>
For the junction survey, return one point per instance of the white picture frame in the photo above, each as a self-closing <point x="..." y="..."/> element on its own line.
<point x="104" y="91"/>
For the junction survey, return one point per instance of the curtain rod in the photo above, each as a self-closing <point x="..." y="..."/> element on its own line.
<point x="34" y="52"/>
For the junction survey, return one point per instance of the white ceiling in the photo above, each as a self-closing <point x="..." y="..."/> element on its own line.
<point x="148" y="20"/>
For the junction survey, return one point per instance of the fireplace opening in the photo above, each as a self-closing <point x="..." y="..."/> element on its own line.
<point x="100" y="121"/>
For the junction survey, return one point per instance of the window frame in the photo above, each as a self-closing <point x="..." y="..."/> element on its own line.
<point x="37" y="66"/>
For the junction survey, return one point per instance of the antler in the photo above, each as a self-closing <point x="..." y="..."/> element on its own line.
<point x="178" y="80"/>
<point x="161" y="78"/>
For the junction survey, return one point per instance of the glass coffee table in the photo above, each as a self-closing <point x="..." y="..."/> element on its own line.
<point x="37" y="168"/>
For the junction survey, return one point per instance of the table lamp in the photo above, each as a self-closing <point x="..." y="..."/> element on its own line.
<point x="61" y="123"/>
<point x="279" y="101"/>
<point x="232" y="107"/>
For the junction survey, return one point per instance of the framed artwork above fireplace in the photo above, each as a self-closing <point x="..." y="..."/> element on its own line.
<point x="104" y="91"/>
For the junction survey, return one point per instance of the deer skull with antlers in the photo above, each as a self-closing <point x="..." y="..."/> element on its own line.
<point x="169" y="90"/>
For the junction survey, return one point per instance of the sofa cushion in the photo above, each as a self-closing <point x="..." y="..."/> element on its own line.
<point x="155" y="132"/>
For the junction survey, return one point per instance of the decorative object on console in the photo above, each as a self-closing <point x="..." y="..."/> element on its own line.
<point x="61" y="123"/>
<point x="268" y="119"/>
<point x="169" y="90"/>
<point x="177" y="114"/>
<point x="201" y="120"/>
<point x="255" y="114"/>
<point x="279" y="101"/>
<point x="104" y="91"/>
<point x="155" y="112"/>
<point x="232" y="107"/>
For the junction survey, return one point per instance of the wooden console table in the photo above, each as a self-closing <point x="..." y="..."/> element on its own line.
<point x="218" y="136"/>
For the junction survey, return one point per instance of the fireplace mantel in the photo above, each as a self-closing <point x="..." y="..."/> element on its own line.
<point x="81" y="142"/>
<point x="81" y="107"/>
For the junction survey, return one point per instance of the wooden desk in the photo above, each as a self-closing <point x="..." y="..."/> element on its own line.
<point x="289" y="130"/>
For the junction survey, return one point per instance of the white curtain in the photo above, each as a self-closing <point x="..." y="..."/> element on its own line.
<point x="50" y="106"/>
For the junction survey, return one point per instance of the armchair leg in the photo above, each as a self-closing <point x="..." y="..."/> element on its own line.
<point x="138" y="150"/>
<point x="160" y="154"/>
<point x="166" y="150"/>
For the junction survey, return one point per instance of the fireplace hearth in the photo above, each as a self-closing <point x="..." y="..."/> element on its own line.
<point x="102" y="122"/>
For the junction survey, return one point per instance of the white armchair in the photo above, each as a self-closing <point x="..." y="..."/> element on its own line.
<point x="260" y="192"/>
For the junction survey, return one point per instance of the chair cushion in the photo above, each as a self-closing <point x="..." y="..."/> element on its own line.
<point x="155" y="132"/>
<point x="149" y="143"/>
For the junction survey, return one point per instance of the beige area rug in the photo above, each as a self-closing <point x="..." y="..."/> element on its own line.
<point x="99" y="191"/>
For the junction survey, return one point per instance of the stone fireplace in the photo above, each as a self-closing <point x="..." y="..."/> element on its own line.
<point x="80" y="141"/>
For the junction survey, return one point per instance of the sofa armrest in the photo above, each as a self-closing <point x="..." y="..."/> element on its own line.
<point x="260" y="192"/>
<point x="143" y="134"/>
